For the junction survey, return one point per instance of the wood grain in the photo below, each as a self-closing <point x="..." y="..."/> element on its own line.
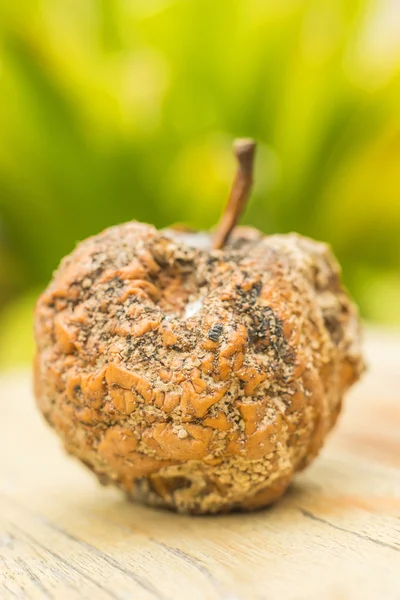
<point x="335" y="535"/>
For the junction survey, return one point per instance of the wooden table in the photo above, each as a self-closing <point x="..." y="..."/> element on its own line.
<point x="335" y="535"/>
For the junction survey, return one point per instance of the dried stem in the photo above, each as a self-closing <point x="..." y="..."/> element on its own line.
<point x="244" y="150"/>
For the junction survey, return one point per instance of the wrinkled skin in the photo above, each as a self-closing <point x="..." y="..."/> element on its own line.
<point x="196" y="379"/>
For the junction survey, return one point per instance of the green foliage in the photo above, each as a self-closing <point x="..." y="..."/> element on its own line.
<point x="113" y="110"/>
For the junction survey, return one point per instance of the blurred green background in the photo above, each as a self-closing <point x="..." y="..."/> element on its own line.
<point x="119" y="109"/>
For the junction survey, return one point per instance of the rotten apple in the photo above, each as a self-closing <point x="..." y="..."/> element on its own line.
<point x="196" y="371"/>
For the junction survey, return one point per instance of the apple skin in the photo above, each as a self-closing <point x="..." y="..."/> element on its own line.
<point x="195" y="379"/>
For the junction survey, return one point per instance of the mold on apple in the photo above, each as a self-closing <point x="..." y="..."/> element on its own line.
<point x="198" y="375"/>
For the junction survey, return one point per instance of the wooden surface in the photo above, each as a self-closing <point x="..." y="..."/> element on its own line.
<point x="335" y="535"/>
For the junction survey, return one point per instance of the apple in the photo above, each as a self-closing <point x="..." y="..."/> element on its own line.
<point x="196" y="371"/>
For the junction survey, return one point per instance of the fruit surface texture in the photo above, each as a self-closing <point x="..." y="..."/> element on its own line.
<point x="194" y="378"/>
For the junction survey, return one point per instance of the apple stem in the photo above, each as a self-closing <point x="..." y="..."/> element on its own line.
<point x="244" y="150"/>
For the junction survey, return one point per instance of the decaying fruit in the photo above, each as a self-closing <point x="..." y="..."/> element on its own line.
<point x="194" y="372"/>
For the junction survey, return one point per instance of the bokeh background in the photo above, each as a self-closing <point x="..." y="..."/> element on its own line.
<point x="119" y="109"/>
